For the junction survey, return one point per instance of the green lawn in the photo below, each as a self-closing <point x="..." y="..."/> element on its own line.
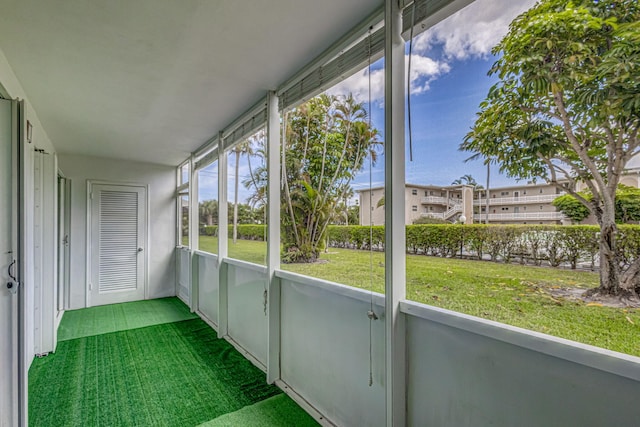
<point x="513" y="294"/>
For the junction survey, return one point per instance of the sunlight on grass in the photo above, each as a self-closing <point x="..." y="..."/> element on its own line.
<point x="513" y="294"/>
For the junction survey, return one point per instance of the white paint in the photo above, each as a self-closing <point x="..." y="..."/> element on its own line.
<point x="44" y="253"/>
<point x="247" y="321"/>
<point x="183" y="265"/>
<point x="325" y="350"/>
<point x="395" y="230"/>
<point x="8" y="301"/>
<point x="273" y="238"/>
<point x="11" y="83"/>
<point x="466" y="375"/>
<point x="161" y="181"/>
<point x="208" y="289"/>
<point x="153" y="82"/>
<point x="137" y="244"/>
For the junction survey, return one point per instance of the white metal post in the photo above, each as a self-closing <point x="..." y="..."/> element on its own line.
<point x="395" y="289"/>
<point x="223" y="232"/>
<point x="273" y="237"/>
<point x="194" y="232"/>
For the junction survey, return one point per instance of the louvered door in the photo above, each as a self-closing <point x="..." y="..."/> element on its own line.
<point x="118" y="240"/>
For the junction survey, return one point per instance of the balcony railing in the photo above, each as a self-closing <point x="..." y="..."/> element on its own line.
<point x="521" y="216"/>
<point x="433" y="200"/>
<point x="443" y="350"/>
<point x="432" y="215"/>
<point x="543" y="198"/>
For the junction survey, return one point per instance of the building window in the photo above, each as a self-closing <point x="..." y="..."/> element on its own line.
<point x="414" y="208"/>
<point x="414" y="192"/>
<point x="505" y="209"/>
<point x="541" y="191"/>
<point x="430" y="208"/>
<point x="540" y="207"/>
<point x="426" y="193"/>
<point x="504" y="193"/>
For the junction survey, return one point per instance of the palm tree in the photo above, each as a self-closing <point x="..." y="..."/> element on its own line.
<point x="242" y="148"/>
<point x="467" y="180"/>
<point x="208" y="210"/>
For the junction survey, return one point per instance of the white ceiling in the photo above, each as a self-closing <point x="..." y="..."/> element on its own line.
<point x="152" y="80"/>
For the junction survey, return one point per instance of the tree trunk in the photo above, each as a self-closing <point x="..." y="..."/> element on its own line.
<point x="630" y="280"/>
<point x="609" y="266"/>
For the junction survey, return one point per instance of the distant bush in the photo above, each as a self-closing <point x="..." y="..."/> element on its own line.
<point x="554" y="245"/>
<point x="430" y="220"/>
<point x="245" y="231"/>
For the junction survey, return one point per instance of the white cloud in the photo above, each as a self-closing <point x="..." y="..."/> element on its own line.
<point x="423" y="71"/>
<point x="471" y="32"/>
<point x="358" y="85"/>
<point x="474" y="30"/>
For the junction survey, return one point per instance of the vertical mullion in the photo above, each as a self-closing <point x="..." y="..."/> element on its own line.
<point x="194" y="226"/>
<point x="395" y="274"/>
<point x="223" y="243"/>
<point x="273" y="238"/>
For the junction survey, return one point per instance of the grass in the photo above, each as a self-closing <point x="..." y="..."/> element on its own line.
<point x="513" y="294"/>
<point x="245" y="250"/>
<point x="103" y="319"/>
<point x="171" y="374"/>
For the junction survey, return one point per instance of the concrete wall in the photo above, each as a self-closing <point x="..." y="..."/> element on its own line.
<point x="366" y="213"/>
<point x="161" y="181"/>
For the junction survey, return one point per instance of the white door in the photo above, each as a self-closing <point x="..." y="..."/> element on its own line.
<point x="13" y="366"/>
<point x="117" y="243"/>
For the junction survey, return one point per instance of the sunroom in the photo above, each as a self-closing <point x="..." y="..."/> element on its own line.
<point x="121" y="119"/>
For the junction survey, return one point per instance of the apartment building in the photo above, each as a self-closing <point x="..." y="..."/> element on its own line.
<point x="518" y="204"/>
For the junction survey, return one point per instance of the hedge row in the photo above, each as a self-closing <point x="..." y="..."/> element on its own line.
<point x="554" y="245"/>
<point x="245" y="231"/>
<point x="527" y="244"/>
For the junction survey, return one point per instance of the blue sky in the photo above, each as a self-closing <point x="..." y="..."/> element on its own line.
<point x="448" y="81"/>
<point x="441" y="117"/>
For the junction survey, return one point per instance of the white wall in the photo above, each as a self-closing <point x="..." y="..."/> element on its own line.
<point x="8" y="412"/>
<point x="325" y="349"/>
<point x="161" y="181"/>
<point x="10" y="82"/>
<point x="466" y="371"/>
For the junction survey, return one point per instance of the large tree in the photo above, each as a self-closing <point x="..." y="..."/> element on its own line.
<point x="627" y="205"/>
<point x="326" y="143"/>
<point x="566" y="107"/>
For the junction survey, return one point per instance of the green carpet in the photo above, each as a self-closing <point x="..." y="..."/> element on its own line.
<point x="173" y="374"/>
<point x="119" y="317"/>
<point x="277" y="411"/>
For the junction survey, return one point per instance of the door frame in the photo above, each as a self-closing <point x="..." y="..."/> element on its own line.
<point x="90" y="184"/>
<point x="63" y="232"/>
